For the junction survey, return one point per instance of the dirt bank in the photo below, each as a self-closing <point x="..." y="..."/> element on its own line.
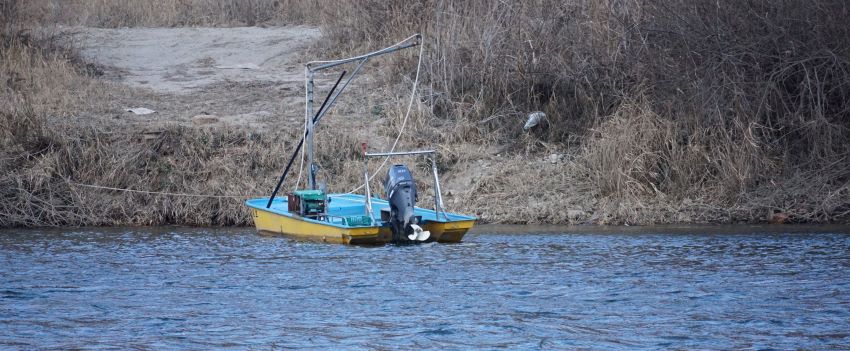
<point x="182" y="60"/>
<point x="242" y="77"/>
<point x="250" y="78"/>
<point x="228" y="107"/>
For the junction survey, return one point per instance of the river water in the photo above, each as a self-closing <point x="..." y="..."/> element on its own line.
<point x="547" y="288"/>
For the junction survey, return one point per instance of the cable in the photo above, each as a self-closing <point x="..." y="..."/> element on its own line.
<point x="163" y="193"/>
<point x="406" y="116"/>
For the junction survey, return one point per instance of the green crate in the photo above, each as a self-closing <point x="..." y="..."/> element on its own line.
<point x="357" y="221"/>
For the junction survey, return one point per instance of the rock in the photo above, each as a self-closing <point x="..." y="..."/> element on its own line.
<point x="204" y="119"/>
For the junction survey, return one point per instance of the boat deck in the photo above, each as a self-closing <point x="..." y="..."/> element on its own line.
<point x="344" y="221"/>
<point x="347" y="205"/>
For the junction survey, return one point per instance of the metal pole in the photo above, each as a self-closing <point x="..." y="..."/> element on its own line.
<point x="341" y="89"/>
<point x="301" y="143"/>
<point x="438" y="197"/>
<point x="320" y="65"/>
<point x="368" y="194"/>
<point x="309" y="120"/>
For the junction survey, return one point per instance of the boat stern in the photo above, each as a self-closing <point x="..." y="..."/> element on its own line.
<point x="449" y="232"/>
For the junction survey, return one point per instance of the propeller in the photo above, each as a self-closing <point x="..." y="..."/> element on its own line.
<point x="418" y="234"/>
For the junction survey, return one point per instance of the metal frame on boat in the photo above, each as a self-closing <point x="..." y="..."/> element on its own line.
<point x="351" y="218"/>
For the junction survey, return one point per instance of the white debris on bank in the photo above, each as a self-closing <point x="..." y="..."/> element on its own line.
<point x="141" y="110"/>
<point x="534" y="119"/>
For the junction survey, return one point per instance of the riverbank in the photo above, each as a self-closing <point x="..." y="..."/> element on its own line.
<point x="622" y="145"/>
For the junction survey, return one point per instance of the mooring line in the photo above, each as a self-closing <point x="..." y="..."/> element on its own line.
<point x="163" y="192"/>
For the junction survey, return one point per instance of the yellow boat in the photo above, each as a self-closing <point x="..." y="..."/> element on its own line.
<point x="336" y="227"/>
<point x="352" y="218"/>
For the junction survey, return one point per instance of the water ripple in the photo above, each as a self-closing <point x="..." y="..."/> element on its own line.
<point x="177" y="288"/>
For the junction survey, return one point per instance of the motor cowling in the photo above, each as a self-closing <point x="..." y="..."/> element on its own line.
<point x="400" y="190"/>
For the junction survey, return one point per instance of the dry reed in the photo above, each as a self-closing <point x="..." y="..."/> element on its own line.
<point x="685" y="102"/>
<point x="681" y="111"/>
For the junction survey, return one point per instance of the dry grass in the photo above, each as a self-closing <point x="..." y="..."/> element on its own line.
<point x="45" y="148"/>
<point x="48" y="142"/>
<point x="663" y="104"/>
<point x="169" y="13"/>
<point x="681" y="111"/>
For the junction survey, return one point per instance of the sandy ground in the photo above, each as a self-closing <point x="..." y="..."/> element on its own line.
<point x="245" y="77"/>
<point x="180" y="60"/>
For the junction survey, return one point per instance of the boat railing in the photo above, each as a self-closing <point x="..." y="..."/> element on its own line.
<point x="432" y="156"/>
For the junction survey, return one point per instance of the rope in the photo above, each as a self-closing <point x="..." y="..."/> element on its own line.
<point x="164" y="193"/>
<point x="404" y="122"/>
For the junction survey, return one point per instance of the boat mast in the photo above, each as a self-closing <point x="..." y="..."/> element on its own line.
<point x="309" y="73"/>
<point x="308" y="120"/>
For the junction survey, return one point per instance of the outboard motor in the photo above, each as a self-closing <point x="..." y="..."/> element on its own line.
<point x="401" y="194"/>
